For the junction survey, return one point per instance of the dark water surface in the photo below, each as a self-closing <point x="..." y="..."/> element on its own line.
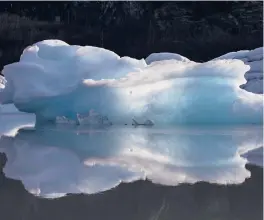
<point x="141" y="200"/>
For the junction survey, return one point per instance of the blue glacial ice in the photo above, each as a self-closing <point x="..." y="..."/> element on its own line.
<point x="54" y="79"/>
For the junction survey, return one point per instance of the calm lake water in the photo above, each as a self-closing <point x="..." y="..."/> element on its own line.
<point x="53" y="161"/>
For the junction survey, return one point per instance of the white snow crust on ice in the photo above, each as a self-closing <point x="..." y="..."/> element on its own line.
<point x="253" y="58"/>
<point x="2" y="82"/>
<point x="54" y="79"/>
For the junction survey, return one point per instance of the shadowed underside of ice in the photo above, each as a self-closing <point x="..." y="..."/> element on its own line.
<point x="255" y="156"/>
<point x="57" y="160"/>
<point x="55" y="79"/>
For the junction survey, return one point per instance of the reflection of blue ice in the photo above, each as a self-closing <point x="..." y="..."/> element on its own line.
<point x="56" y="160"/>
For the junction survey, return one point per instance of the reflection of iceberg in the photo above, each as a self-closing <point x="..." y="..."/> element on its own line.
<point x="56" y="160"/>
<point x="54" y="79"/>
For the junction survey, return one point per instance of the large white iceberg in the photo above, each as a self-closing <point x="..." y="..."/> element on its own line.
<point x="54" y="79"/>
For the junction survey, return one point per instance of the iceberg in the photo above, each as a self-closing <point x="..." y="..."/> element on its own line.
<point x="54" y="79"/>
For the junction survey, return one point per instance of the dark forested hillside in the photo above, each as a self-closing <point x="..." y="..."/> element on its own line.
<point x="197" y="30"/>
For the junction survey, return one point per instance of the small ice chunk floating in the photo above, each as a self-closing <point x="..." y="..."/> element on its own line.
<point x="93" y="118"/>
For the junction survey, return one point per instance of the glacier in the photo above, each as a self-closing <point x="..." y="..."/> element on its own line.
<point x="55" y="79"/>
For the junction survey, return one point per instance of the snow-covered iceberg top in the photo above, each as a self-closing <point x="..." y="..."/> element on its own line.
<point x="55" y="79"/>
<point x="253" y="58"/>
